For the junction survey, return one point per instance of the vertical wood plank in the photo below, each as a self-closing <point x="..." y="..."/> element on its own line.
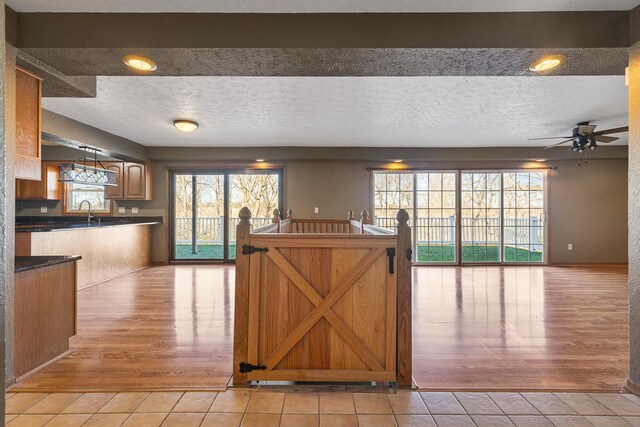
<point x="253" y="308"/>
<point x="240" y="330"/>
<point x="404" y="300"/>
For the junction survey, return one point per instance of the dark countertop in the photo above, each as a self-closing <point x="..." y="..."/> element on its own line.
<point x="24" y="263"/>
<point x="37" y="224"/>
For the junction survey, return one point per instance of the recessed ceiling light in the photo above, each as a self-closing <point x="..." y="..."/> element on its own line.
<point x="547" y="63"/>
<point x="139" y="63"/>
<point x="398" y="161"/>
<point x="185" y="125"/>
<point x="259" y="160"/>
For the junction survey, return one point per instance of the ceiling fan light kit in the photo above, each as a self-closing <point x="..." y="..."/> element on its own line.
<point x="585" y="138"/>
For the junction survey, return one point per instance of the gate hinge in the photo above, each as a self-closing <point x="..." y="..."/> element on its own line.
<point x="248" y="250"/>
<point x="248" y="367"/>
<point x="391" y="252"/>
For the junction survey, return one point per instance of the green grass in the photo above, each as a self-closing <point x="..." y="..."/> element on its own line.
<point x="444" y="253"/>
<point x="204" y="252"/>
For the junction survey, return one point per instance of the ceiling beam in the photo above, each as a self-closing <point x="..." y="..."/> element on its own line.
<point x="325" y="30"/>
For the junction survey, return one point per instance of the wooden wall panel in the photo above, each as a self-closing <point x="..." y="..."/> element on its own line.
<point x="28" y="125"/>
<point x="45" y="315"/>
<point x="106" y="252"/>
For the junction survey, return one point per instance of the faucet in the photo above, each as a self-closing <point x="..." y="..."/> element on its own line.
<point x="89" y="215"/>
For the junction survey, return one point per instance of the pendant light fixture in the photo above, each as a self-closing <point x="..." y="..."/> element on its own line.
<point x="83" y="172"/>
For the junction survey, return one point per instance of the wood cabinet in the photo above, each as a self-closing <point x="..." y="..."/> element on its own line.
<point x="48" y="188"/>
<point x="116" y="193"/>
<point x="137" y="181"/>
<point x="28" y="125"/>
<point x="45" y="315"/>
<point x="134" y="181"/>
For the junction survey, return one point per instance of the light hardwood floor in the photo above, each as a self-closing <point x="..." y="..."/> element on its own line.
<point x="520" y="328"/>
<point x="159" y="328"/>
<point x="484" y="328"/>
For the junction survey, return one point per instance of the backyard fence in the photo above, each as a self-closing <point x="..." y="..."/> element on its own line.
<point x="429" y="231"/>
<point x="210" y="230"/>
<point x="480" y="231"/>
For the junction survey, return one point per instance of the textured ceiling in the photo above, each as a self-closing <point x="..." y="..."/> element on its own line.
<point x="303" y="6"/>
<point x="349" y="111"/>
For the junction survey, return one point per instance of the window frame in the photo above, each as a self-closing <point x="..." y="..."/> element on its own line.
<point x="67" y="212"/>
<point x="458" y="225"/>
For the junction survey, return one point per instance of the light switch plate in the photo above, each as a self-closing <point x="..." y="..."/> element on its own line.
<point x="570" y="246"/>
<point x="43" y="209"/>
<point x="316" y="210"/>
<point x="122" y="209"/>
<point x="134" y="210"/>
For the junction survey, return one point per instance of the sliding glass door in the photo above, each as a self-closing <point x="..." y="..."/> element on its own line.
<point x="257" y="191"/>
<point x="524" y="225"/>
<point x="467" y="216"/>
<point x="435" y="223"/>
<point x="205" y="207"/>
<point x="198" y="216"/>
<point x="480" y="216"/>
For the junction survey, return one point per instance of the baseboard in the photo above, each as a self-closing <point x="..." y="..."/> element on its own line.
<point x="44" y="365"/>
<point x="632" y="387"/>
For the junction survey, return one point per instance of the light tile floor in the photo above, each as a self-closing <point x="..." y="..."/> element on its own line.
<point x="243" y="407"/>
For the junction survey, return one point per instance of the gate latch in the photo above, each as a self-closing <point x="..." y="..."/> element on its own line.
<point x="248" y="367"/>
<point x="248" y="250"/>
<point x="391" y="252"/>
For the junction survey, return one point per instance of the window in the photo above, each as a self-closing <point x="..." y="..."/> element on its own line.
<point x="467" y="216"/>
<point x="393" y="191"/>
<point x="75" y="194"/>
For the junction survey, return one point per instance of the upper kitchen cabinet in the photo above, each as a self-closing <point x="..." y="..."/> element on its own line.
<point x="134" y="181"/>
<point x="28" y="125"/>
<point x="48" y="188"/>
<point x="137" y="181"/>
<point x="115" y="193"/>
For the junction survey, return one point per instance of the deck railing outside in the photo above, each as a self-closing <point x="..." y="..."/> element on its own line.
<point x="429" y="231"/>
<point x="210" y="230"/>
<point x="482" y="231"/>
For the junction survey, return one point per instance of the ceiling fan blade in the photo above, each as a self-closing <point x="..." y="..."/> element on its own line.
<point x="605" y="139"/>
<point x="558" y="144"/>
<point x="551" y="137"/>
<point x="586" y="129"/>
<point x="612" y="131"/>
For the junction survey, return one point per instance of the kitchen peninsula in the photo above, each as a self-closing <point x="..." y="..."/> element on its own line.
<point x="109" y="246"/>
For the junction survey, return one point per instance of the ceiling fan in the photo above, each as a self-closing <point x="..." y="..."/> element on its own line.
<point x="585" y="138"/>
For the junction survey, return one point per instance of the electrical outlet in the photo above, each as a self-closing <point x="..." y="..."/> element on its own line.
<point x="570" y="246"/>
<point x="316" y="210"/>
<point x="122" y="209"/>
<point x="43" y="209"/>
<point x="134" y="210"/>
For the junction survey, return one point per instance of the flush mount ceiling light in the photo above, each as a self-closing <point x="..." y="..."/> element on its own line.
<point x="398" y="161"/>
<point x="87" y="171"/>
<point x="259" y="160"/>
<point x="185" y="125"/>
<point x="140" y="63"/>
<point x="547" y="63"/>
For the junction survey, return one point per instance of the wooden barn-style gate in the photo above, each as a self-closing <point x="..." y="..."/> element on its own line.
<point x="330" y="302"/>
